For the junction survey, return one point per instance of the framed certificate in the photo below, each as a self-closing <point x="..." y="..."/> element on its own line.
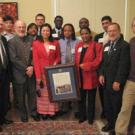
<point x="62" y="82"/>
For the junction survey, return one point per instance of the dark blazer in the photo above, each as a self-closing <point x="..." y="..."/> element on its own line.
<point x="115" y="66"/>
<point x="20" y="60"/>
<point x="98" y="36"/>
<point x="4" y="85"/>
<point x="6" y="48"/>
<point x="59" y="35"/>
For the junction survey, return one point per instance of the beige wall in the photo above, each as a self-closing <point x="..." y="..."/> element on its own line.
<point x="93" y="10"/>
<point x="130" y="16"/>
<point x="73" y="10"/>
<point x="27" y="9"/>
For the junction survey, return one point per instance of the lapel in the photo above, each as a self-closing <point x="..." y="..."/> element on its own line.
<point x="89" y="51"/>
<point x="116" y="47"/>
<point x="88" y="55"/>
<point x="79" y="53"/>
<point x="44" y="51"/>
<point x="19" y="43"/>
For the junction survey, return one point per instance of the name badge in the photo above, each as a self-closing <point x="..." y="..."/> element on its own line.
<point x="100" y="40"/>
<point x="55" y="35"/>
<point x="80" y="49"/>
<point x="73" y="51"/>
<point x="51" y="47"/>
<point x="106" y="49"/>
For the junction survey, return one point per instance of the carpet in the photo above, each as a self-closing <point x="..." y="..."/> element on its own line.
<point x="51" y="128"/>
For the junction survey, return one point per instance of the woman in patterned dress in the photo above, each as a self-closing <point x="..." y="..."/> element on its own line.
<point x="46" y="52"/>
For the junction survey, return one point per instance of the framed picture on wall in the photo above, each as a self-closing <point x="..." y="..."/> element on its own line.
<point x="62" y="82"/>
<point x="9" y="8"/>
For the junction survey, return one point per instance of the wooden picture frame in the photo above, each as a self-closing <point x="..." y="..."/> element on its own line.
<point x="9" y="8"/>
<point x="62" y="82"/>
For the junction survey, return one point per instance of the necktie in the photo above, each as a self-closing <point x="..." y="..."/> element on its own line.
<point x="68" y="52"/>
<point x="111" y="48"/>
<point x="4" y="59"/>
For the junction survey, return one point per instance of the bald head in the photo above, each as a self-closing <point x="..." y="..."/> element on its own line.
<point x="20" y="28"/>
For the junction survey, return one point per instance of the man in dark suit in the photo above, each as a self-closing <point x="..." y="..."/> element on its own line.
<point x="39" y="20"/>
<point x="57" y="31"/>
<point x="4" y="79"/>
<point x="113" y="74"/>
<point x="22" y="68"/>
<point x="103" y="39"/>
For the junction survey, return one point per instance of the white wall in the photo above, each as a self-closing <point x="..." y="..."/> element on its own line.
<point x="27" y="9"/>
<point x="73" y="10"/>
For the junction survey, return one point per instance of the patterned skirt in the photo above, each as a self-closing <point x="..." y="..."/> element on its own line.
<point x="44" y="106"/>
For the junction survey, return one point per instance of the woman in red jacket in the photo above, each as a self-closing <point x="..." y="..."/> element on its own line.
<point x="46" y="52"/>
<point x="88" y="56"/>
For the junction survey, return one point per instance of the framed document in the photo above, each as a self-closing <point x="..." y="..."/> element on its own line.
<point x="62" y="82"/>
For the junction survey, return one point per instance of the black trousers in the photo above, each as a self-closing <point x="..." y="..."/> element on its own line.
<point x="27" y="89"/>
<point x="112" y="104"/>
<point x="4" y="95"/>
<point x="101" y="94"/>
<point x="87" y="104"/>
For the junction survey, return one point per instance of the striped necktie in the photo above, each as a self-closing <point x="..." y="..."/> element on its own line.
<point x="3" y="55"/>
<point x="111" y="48"/>
<point x="68" y="52"/>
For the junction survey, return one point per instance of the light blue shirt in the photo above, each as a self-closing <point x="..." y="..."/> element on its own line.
<point x="63" y="44"/>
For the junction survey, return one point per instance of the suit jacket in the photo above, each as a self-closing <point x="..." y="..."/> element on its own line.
<point x="7" y="53"/>
<point x="4" y="86"/>
<point x="98" y="36"/>
<point x="59" y="35"/>
<point x="91" y="62"/>
<point x="115" y="66"/>
<point x="42" y="59"/>
<point x="19" y="53"/>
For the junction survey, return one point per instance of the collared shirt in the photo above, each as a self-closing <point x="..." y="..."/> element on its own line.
<point x="8" y="36"/>
<point x="105" y="39"/>
<point x="57" y="34"/>
<point x="112" y="45"/>
<point x="63" y="44"/>
<point x="58" y="30"/>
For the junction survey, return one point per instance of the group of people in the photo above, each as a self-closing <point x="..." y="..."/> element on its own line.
<point x="104" y="62"/>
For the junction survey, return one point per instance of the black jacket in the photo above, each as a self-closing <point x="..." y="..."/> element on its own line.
<point x="6" y="49"/>
<point x="115" y="66"/>
<point x="98" y="36"/>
